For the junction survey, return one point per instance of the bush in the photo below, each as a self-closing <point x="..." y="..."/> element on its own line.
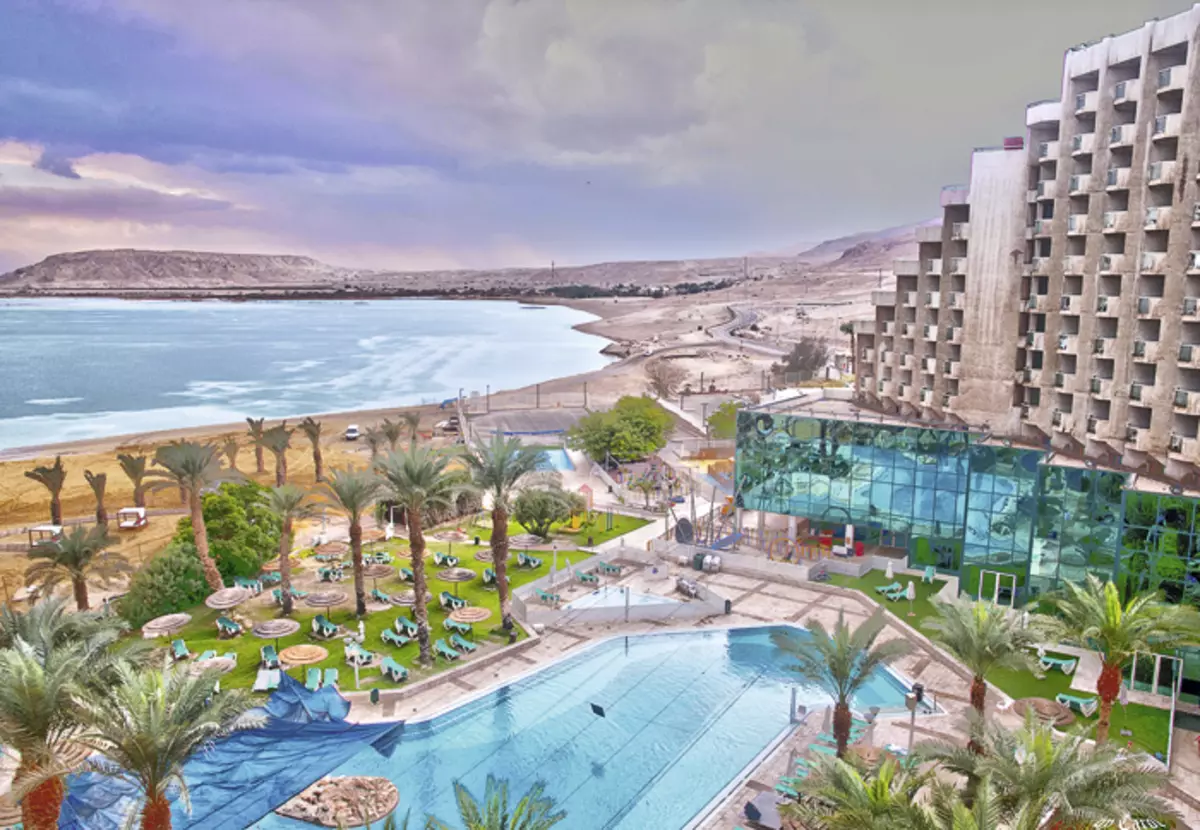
<point x="633" y="429"/>
<point x="242" y="532"/>
<point x="172" y="581"/>
<point x="722" y="423"/>
<point x="538" y="510"/>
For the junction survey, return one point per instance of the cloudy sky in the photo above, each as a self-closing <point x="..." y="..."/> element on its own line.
<point x="474" y="133"/>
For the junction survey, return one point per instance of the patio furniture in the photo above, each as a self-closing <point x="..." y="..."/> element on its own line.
<point x="456" y="627"/>
<point x="406" y="574"/>
<point x="356" y="655"/>
<point x="524" y="561"/>
<point x="228" y="628"/>
<point x="268" y="658"/>
<point x="323" y="628"/>
<point x="587" y="578"/>
<point x="271" y="578"/>
<point x="331" y="678"/>
<point x="489" y="576"/>
<point x="609" y="569"/>
<point x="448" y="600"/>
<point x="179" y="650"/>
<point x="312" y="680"/>
<point x="1085" y="706"/>
<point x="405" y="626"/>
<point x="380" y="596"/>
<point x="390" y="637"/>
<point x="887" y="589"/>
<point x="267" y="680"/>
<point x="208" y="655"/>
<point x="1066" y="665"/>
<point x="393" y="671"/>
<point x="441" y="649"/>
<point x="547" y="598"/>
<point x="929" y="575"/>
<point x="248" y="583"/>
<point x="462" y="644"/>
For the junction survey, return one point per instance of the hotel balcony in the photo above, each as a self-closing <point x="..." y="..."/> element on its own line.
<point x="933" y="266"/>
<point x="954" y="335"/>
<point x="926" y="396"/>
<point x="887" y="388"/>
<point x="1064" y="381"/>
<point x="1086" y="102"/>
<point x="1109" y="306"/>
<point x="1116" y="221"/>
<point x="1035" y="340"/>
<point x="929" y="365"/>
<point x="1171" y="78"/>
<point x="948" y="401"/>
<point x="933" y="299"/>
<point x="1042" y="227"/>
<point x="867" y="382"/>
<point x="1118" y="178"/>
<point x="1146" y="393"/>
<point x="1104" y="346"/>
<point x="958" y="265"/>
<point x="1189" y="354"/>
<point x="909" y="362"/>
<point x="1040" y="266"/>
<point x="1182" y="449"/>
<point x="1193" y="262"/>
<point x="1161" y="172"/>
<point x="884" y="298"/>
<point x="889" y="328"/>
<point x="950" y="368"/>
<point x="1149" y="306"/>
<point x="1196" y="214"/>
<point x="1079" y="183"/>
<point x="1082" y="143"/>
<point x="908" y="330"/>
<point x="1070" y="304"/>
<point x="908" y="298"/>
<point x="930" y="333"/>
<point x="906" y="268"/>
<point x="1127" y="92"/>
<point x="1153" y="262"/>
<point x="1077" y="224"/>
<point x="1047" y="151"/>
<point x="1157" y="218"/>
<point x="866" y="355"/>
<point x="1073" y="264"/>
<point x="1140" y="439"/>
<point x="1062" y="421"/>
<point x="1029" y="377"/>
<point x="1101" y="387"/>
<point x="1037" y="302"/>
<point x="1191" y="307"/>
<point x="962" y="230"/>
<point x="1026" y="411"/>
<point x="1047" y="189"/>
<point x="1147" y="351"/>
<point x="1186" y="401"/>
<point x="954" y="299"/>
<point x="864" y="327"/>
<point x="1112" y="263"/>
<point x="1068" y="343"/>
<point x="1121" y="135"/>
<point x="929" y="233"/>
<point x="1167" y="126"/>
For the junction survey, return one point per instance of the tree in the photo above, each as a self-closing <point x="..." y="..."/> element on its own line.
<point x="497" y="468"/>
<point x="192" y="467"/>
<point x="151" y="723"/>
<point x="171" y="581"/>
<point x="534" y="811"/>
<point x="664" y="377"/>
<point x="72" y="557"/>
<point x="1043" y="781"/>
<point x="645" y="486"/>
<point x="411" y="418"/>
<point x="842" y="797"/>
<point x="312" y="431"/>
<point x="134" y="466"/>
<point x="256" y="432"/>
<point x="241" y="529"/>
<point x="52" y="478"/>
<point x="841" y="663"/>
<point x="230" y="447"/>
<point x="98" y="482"/>
<point x="722" y="422"/>
<point x="808" y="356"/>
<point x="392" y="431"/>
<point x="354" y="492"/>
<point x="634" y="428"/>
<point x="539" y="509"/>
<point x="847" y="329"/>
<point x="374" y="438"/>
<point x="419" y="480"/>
<point x="1092" y="614"/>
<point x="277" y="439"/>
<point x="983" y="637"/>
<point x="289" y="502"/>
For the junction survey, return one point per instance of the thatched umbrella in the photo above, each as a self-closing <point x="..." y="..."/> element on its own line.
<point x="165" y="625"/>
<point x="274" y="629"/>
<point x="227" y="598"/>
<point x="378" y="572"/>
<point x="325" y="599"/>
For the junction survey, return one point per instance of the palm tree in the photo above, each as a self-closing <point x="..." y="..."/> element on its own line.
<point x="392" y="432"/>
<point x="1041" y="780"/>
<point x="374" y="440"/>
<point x="842" y="797"/>
<point x="534" y="811"/>
<point x="848" y="329"/>
<point x="419" y="481"/>
<point x="231" y="445"/>
<point x="1092" y="615"/>
<point x="48" y="625"/>
<point x="74" y="556"/>
<point x="98" y="482"/>
<point x="983" y="637"/>
<point x="841" y="663"/>
<point x="257" y="428"/>
<point x="355" y="492"/>
<point x="52" y="478"/>
<point x="277" y="439"/>
<point x="496" y="469"/>
<point x="289" y="502"/>
<point x="151" y="723"/>
<point x="312" y="431"/>
<point x="134" y="466"/>
<point x="411" y="418"/>
<point x="192" y="467"/>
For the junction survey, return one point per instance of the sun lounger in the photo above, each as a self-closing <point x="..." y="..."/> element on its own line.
<point x="441" y="649"/>
<point x="277" y="595"/>
<point x="462" y="644"/>
<point x="1064" y="664"/>
<point x="390" y="637"/>
<point x="606" y="568"/>
<point x="587" y="578"/>
<point x="380" y="596"/>
<point x="457" y="627"/>
<point x="271" y="578"/>
<point x="393" y="671"/>
<point x="356" y="655"/>
<point x="331" y="678"/>
<point x="406" y="574"/>
<point x="785" y="790"/>
<point x="247" y="582"/>
<point x="887" y="589"/>
<point x="448" y="600"/>
<point x="312" y="680"/>
<point x="208" y="655"/>
<point x="297" y="594"/>
<point x="489" y="576"/>
<point x="231" y="655"/>
<point x="267" y="657"/>
<point x="379" y="558"/>
<point x="405" y="626"/>
<point x="323" y="628"/>
<point x="524" y="561"/>
<point x="896" y="749"/>
<point x="930" y="574"/>
<point x="823" y="749"/>
<point x="179" y="650"/>
<point x="828" y="737"/>
<point x="330" y="574"/>
<point x="227" y="627"/>
<point x="1085" y="706"/>
<point x="546" y="597"/>
<point x="445" y="560"/>
<point x="267" y="680"/>
<point x="895" y="595"/>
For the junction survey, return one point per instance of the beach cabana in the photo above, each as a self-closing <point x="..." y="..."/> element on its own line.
<point x="41" y="534"/>
<point x="131" y="518"/>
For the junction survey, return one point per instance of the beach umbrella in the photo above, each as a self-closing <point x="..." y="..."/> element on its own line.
<point x="221" y="665"/>
<point x="470" y="614"/>
<point x="304" y="654"/>
<point x="325" y="599"/>
<point x="378" y="572"/>
<point x="227" y="598"/>
<point x="890" y="573"/>
<point x="165" y="625"/>
<point x="910" y="593"/>
<point x="274" y="629"/>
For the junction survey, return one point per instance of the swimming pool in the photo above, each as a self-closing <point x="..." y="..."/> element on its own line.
<point x="684" y="713"/>
<point x="615" y="598"/>
<point x="556" y="459"/>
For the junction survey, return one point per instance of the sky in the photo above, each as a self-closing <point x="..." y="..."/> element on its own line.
<point x="417" y="134"/>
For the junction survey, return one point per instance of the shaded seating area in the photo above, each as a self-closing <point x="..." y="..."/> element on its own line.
<point x="445" y="560"/>
<point x="335" y="574"/>
<point x="179" y="650"/>
<point x="378" y="558"/>
<point x="277" y="593"/>
<point x="271" y="578"/>
<point x="247" y="583"/>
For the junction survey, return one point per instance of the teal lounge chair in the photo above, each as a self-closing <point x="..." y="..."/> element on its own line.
<point x="406" y="574"/>
<point x="380" y="596"/>
<point x="393" y="671"/>
<point x="489" y="576"/>
<point x="312" y="680"/>
<point x="405" y="626"/>
<point x="356" y="655"/>
<point x="823" y="749"/>
<point x="271" y="578"/>
<point x="323" y="628"/>
<point x="895" y="595"/>
<point x="267" y="657"/>
<point x="930" y="574"/>
<point x="277" y="594"/>
<point x="448" y="600"/>
<point x="179" y="650"/>
<point x="245" y="582"/>
<point x="390" y="637"/>
<point x="546" y="597"/>
<point x="1066" y="665"/>
<point x="828" y="737"/>
<point x="331" y="678"/>
<point x="785" y="790"/>
<point x="610" y="569"/>
<point x="457" y="627"/>
<point x="887" y="589"/>
<point x="1085" y="706"/>
<point x="587" y="578"/>
<point x="297" y="594"/>
<point x="267" y="680"/>
<point x="442" y="560"/>
<point x="444" y="651"/>
<point x="524" y="561"/>
<point x="208" y="655"/>
<point x="227" y="627"/>
<point x="462" y="644"/>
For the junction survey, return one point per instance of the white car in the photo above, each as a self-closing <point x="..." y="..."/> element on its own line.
<point x="352" y="432"/>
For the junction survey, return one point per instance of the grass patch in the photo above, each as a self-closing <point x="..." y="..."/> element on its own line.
<point x="563" y="534"/>
<point x="922" y="606"/>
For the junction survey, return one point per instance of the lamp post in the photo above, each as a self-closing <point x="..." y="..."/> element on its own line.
<point x="912" y="700"/>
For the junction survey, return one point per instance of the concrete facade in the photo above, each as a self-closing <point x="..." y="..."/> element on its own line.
<point x="1063" y="286"/>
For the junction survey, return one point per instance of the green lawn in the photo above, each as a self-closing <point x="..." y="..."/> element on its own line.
<point x="922" y="607"/>
<point x="564" y="535"/>
<point x="201" y="634"/>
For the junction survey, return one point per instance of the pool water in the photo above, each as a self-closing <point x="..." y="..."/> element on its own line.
<point x="556" y="459"/>
<point x="684" y="714"/>
<point x="615" y="598"/>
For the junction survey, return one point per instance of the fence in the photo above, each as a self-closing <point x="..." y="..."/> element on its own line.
<point x="555" y="395"/>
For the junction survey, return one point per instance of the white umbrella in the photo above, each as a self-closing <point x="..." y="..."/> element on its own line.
<point x="890" y="573"/>
<point x="362" y="631"/>
<point x="910" y="593"/>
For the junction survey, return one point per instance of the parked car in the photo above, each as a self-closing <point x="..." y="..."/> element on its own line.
<point x="352" y="432"/>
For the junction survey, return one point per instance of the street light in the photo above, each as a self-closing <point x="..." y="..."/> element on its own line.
<point x="912" y="700"/>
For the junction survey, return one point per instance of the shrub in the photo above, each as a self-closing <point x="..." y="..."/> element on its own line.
<point x="172" y="581"/>
<point x="633" y="429"/>
<point x="538" y="510"/>
<point x="242" y="532"/>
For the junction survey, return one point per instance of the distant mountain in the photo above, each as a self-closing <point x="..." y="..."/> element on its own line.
<point x="863" y="249"/>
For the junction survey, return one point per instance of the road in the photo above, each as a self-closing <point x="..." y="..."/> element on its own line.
<point x="743" y="318"/>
